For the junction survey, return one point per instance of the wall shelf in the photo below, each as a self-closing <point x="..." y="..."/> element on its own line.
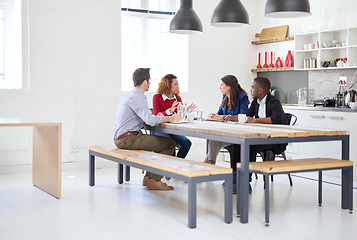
<point x="307" y="50"/>
<point x="348" y="36"/>
<point x="333" y="48"/>
<point x="272" y="41"/>
<point x="272" y="69"/>
<point x="326" y="68"/>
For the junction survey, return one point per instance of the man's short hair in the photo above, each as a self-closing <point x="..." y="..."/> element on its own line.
<point x="140" y="75"/>
<point x="264" y="83"/>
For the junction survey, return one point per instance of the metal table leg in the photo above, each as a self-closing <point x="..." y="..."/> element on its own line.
<point x="347" y="177"/>
<point x="244" y="183"/>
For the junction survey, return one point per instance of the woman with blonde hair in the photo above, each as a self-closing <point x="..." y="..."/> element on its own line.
<point x="165" y="101"/>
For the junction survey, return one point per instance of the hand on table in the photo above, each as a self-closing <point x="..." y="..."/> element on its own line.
<point x="225" y="118"/>
<point x="214" y="116"/>
<point x="176" y="118"/>
<point x="250" y="120"/>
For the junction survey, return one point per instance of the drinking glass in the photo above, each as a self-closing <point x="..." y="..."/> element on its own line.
<point x="199" y="111"/>
<point x="181" y="109"/>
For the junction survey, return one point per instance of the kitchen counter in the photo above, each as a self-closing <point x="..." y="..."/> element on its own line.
<point x="311" y="107"/>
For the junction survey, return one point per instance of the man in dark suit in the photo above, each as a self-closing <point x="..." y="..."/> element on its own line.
<point x="265" y="109"/>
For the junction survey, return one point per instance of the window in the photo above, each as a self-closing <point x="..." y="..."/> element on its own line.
<point x="10" y="44"/>
<point x="146" y="42"/>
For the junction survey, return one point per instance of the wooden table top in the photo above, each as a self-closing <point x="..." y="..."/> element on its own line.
<point x="251" y="130"/>
<point x="26" y="122"/>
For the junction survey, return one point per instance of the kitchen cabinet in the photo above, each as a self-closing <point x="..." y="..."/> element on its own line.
<point x="322" y="51"/>
<point x="340" y="120"/>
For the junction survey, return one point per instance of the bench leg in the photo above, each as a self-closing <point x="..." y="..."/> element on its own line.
<point x="91" y="170"/>
<point x="228" y="200"/>
<point x="127" y="173"/>
<point x="320" y="189"/>
<point x="192" y="204"/>
<point x="120" y="173"/>
<point x="267" y="204"/>
<point x="347" y="189"/>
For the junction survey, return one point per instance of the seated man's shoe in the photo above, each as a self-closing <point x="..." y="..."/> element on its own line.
<point x="234" y="188"/>
<point x="145" y="180"/>
<point x="155" y="185"/>
<point x="212" y="162"/>
<point x="250" y="189"/>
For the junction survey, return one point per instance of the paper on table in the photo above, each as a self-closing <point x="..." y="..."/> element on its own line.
<point x="181" y="121"/>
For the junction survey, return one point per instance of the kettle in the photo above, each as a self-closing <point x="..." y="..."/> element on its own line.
<point x="350" y="96"/>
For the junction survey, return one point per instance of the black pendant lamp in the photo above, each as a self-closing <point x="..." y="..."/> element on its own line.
<point x="186" y="20"/>
<point x="230" y="13"/>
<point x="287" y="8"/>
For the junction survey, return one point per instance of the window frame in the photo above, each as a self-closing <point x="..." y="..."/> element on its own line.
<point x="145" y="23"/>
<point x="12" y="45"/>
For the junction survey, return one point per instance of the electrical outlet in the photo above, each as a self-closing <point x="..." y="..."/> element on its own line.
<point x="343" y="79"/>
<point x="74" y="147"/>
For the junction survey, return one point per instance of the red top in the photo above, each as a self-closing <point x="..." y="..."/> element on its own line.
<point x="159" y="105"/>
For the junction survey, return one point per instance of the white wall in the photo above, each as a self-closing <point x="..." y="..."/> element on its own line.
<point x="74" y="75"/>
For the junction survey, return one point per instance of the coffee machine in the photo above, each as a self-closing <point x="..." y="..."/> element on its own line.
<point x="340" y="96"/>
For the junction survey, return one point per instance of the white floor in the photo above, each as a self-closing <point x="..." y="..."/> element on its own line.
<point x="129" y="211"/>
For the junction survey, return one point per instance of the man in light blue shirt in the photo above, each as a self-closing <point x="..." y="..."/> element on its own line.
<point x="132" y="112"/>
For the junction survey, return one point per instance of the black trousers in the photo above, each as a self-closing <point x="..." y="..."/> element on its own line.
<point x="234" y="152"/>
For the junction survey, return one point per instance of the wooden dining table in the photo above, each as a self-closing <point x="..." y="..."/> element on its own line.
<point x="246" y="135"/>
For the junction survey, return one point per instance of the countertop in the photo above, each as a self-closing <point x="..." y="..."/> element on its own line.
<point x="310" y="107"/>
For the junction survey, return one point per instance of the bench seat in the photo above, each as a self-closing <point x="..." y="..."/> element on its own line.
<point x="192" y="172"/>
<point x="268" y="168"/>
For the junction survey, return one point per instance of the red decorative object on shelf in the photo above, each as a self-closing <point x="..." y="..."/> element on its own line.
<point x="259" y="66"/>
<point x="271" y="65"/>
<point x="279" y="63"/>
<point x="266" y="57"/>
<point x="289" y="61"/>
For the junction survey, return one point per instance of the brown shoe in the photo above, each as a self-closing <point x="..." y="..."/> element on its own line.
<point x="145" y="180"/>
<point x="154" y="185"/>
<point x="212" y="162"/>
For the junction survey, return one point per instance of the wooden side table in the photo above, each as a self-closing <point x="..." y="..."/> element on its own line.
<point x="47" y="152"/>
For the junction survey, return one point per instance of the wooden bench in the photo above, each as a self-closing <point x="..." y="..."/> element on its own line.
<point x="269" y="168"/>
<point x="189" y="171"/>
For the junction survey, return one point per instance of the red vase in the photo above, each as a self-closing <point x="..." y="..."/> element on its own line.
<point x="289" y="61"/>
<point x="265" y="64"/>
<point x="259" y="66"/>
<point x="271" y="65"/>
<point x="279" y="63"/>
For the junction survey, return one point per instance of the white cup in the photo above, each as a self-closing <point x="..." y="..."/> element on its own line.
<point x="190" y="117"/>
<point x="242" y="118"/>
<point x="311" y="46"/>
<point x="306" y="46"/>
